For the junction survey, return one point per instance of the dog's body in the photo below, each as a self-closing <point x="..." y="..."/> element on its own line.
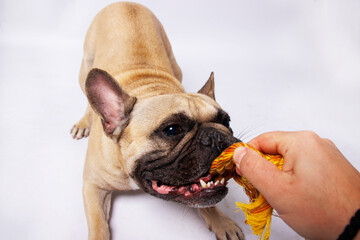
<point x="144" y="130"/>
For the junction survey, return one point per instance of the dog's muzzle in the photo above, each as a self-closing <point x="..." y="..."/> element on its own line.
<point x="184" y="177"/>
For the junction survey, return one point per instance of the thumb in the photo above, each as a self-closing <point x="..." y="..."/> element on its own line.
<point x="261" y="173"/>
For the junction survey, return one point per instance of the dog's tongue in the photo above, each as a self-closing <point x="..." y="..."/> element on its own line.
<point x="163" y="189"/>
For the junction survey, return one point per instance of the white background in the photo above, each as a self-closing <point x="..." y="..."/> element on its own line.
<point x="279" y="65"/>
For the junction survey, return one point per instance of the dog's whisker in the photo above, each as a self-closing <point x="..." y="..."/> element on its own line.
<point x="247" y="132"/>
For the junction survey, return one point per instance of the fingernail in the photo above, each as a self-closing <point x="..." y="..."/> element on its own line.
<point x="239" y="154"/>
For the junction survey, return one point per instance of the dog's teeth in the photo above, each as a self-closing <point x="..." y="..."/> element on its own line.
<point x="203" y="184"/>
<point x="217" y="182"/>
<point x="222" y="181"/>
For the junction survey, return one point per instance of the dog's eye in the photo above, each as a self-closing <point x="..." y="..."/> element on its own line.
<point x="173" y="130"/>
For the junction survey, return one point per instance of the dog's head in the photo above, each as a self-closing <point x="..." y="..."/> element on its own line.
<point x="167" y="142"/>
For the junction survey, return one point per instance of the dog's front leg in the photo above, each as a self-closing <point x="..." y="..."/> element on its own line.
<point x="97" y="204"/>
<point x="223" y="227"/>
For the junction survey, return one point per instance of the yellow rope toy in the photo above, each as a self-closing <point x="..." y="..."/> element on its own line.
<point x="258" y="212"/>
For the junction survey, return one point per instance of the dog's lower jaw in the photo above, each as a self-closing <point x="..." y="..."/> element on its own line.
<point x="201" y="193"/>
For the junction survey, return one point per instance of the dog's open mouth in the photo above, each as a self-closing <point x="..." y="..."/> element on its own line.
<point x="203" y="192"/>
<point x="202" y="184"/>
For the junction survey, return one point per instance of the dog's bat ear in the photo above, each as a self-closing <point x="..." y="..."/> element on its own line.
<point x="109" y="100"/>
<point x="208" y="88"/>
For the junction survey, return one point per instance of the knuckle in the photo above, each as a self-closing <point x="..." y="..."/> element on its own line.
<point x="309" y="134"/>
<point x="328" y="141"/>
<point x="310" y="137"/>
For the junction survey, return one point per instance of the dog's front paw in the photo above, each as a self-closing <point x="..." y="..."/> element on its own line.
<point x="79" y="132"/>
<point x="223" y="227"/>
<point x="81" y="129"/>
<point x="227" y="229"/>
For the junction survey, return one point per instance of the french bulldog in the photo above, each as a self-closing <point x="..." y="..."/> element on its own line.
<point x="144" y="130"/>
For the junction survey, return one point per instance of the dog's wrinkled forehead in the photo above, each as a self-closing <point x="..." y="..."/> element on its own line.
<point x="153" y="111"/>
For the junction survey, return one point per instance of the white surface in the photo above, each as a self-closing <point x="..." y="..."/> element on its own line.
<point x="279" y="65"/>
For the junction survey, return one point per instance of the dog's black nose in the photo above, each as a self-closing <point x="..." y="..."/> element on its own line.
<point x="212" y="137"/>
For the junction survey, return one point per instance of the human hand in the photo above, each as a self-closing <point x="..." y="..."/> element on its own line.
<point x="318" y="190"/>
